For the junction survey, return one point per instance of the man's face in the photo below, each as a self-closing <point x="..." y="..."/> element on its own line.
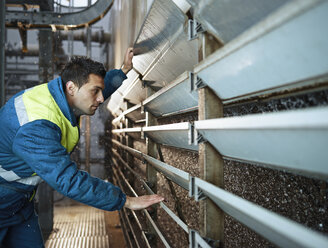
<point x="89" y="96"/>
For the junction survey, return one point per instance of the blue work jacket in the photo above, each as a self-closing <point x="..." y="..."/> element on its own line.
<point x="32" y="150"/>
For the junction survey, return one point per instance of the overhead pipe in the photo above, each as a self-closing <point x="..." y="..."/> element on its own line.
<point x="59" y="21"/>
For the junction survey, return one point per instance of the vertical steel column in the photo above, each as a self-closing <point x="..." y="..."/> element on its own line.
<point x="87" y="143"/>
<point x="2" y="52"/>
<point x="151" y="172"/>
<point x="45" y="55"/>
<point x="45" y="192"/>
<point x="129" y="139"/>
<point x="87" y="118"/>
<point x="210" y="161"/>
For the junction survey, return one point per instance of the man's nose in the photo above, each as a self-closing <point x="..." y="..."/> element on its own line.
<point x="100" y="98"/>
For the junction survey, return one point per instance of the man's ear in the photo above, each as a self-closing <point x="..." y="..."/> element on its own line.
<point x="70" y="88"/>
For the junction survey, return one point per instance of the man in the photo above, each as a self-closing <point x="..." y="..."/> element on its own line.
<point x="38" y="131"/>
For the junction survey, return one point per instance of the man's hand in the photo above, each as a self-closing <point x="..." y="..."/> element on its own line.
<point x="127" y="64"/>
<point x="141" y="202"/>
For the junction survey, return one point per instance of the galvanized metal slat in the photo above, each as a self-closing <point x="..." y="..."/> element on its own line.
<point x="291" y="140"/>
<point x="278" y="229"/>
<point x="287" y="56"/>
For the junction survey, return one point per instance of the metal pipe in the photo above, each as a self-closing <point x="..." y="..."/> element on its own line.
<point x="159" y="233"/>
<point x="178" y="176"/>
<point x="87" y="118"/>
<point x="140" y="227"/>
<point x="183" y="225"/>
<point x="166" y="209"/>
<point x="60" y="21"/>
<point x="125" y="230"/>
<point x="134" y="215"/>
<point x="132" y="230"/>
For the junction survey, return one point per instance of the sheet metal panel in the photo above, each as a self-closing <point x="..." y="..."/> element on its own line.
<point x="293" y="140"/>
<point x="176" y="135"/>
<point x="278" y="229"/>
<point x="175" y="98"/>
<point x="181" y="55"/>
<point x="281" y="57"/>
<point x="162" y="48"/>
<point x="135" y="93"/>
<point x="163" y="21"/>
<point x="227" y="19"/>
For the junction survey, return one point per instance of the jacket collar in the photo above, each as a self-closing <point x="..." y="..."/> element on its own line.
<point x="55" y="87"/>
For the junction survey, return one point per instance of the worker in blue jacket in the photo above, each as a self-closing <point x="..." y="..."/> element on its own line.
<point x="38" y="131"/>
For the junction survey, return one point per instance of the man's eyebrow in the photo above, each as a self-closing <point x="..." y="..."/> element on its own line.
<point x="98" y="87"/>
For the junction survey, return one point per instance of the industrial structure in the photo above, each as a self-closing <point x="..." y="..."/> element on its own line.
<point x="224" y="114"/>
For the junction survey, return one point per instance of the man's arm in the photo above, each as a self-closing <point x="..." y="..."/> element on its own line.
<point x="38" y="144"/>
<point x="114" y="78"/>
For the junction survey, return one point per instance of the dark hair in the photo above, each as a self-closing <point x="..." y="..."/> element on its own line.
<point x="78" y="70"/>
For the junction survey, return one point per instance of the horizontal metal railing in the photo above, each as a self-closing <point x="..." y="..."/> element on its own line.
<point x="276" y="228"/>
<point x="178" y="176"/>
<point x="192" y="233"/>
<point x="289" y="140"/>
<point x="158" y="232"/>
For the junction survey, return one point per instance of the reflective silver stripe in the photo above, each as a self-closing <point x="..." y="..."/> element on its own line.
<point x="34" y="180"/>
<point x="21" y="110"/>
<point x="11" y="176"/>
<point x="8" y="175"/>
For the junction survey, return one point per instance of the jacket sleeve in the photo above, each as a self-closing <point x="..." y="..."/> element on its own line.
<point x="113" y="80"/>
<point x="38" y="144"/>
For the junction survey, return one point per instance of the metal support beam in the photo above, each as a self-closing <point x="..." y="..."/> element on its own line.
<point x="45" y="55"/>
<point x="210" y="161"/>
<point x="87" y="117"/>
<point x="2" y="52"/>
<point x="211" y="167"/>
<point x="87" y="142"/>
<point x="45" y="74"/>
<point x="128" y="139"/>
<point x="151" y="172"/>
